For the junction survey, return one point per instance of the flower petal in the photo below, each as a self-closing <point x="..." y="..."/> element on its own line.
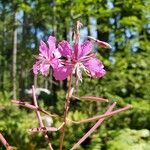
<point x="65" y="49"/>
<point x="43" y="49"/>
<point x="35" y="68"/>
<point x="55" y="63"/>
<point x="44" y="68"/>
<point x="51" y="42"/>
<point x="57" y="54"/>
<point x="95" y="67"/>
<point x="62" y="72"/>
<point x="77" y="50"/>
<point x="86" y="48"/>
<point x="52" y="45"/>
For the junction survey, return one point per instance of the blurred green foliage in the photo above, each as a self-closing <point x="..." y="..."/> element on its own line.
<point x="129" y="139"/>
<point x="14" y="125"/>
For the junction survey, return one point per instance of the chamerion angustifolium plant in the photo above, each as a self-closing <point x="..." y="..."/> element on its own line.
<point x="67" y="62"/>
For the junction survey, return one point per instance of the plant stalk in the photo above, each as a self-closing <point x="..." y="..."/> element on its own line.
<point x="40" y="119"/>
<point x="5" y="143"/>
<point x="67" y="106"/>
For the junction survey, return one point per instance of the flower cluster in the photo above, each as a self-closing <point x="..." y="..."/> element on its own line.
<point x="66" y="59"/>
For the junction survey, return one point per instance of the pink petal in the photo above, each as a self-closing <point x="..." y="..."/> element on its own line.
<point x="62" y="73"/>
<point x="65" y="49"/>
<point x="35" y="69"/>
<point x="77" y="50"/>
<point x="57" y="54"/>
<point x="95" y="67"/>
<point x="55" y="63"/>
<point x="51" y="42"/>
<point x="86" y="48"/>
<point x="52" y="45"/>
<point x="43" y="49"/>
<point x="44" y="68"/>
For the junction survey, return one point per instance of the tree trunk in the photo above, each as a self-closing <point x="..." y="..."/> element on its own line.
<point x="14" y="57"/>
<point x="22" y="74"/>
<point x="2" y="63"/>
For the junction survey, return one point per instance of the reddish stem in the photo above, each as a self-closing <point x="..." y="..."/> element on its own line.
<point x="102" y="116"/>
<point x="100" y="121"/>
<point x="90" y="98"/>
<point x="45" y="129"/>
<point x="27" y="105"/>
<point x="5" y="143"/>
<point x="67" y="106"/>
<point x="39" y="118"/>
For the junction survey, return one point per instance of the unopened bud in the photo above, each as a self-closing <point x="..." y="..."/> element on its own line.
<point x="100" y="43"/>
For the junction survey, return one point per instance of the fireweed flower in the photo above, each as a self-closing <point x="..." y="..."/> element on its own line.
<point x="76" y="59"/>
<point x="47" y="57"/>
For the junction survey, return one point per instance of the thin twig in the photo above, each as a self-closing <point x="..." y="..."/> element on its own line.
<point x="5" y="143"/>
<point x="39" y="118"/>
<point x="90" y="98"/>
<point x="67" y="105"/>
<point x="99" y="122"/>
<point x="27" y="105"/>
<point x="101" y="116"/>
<point x="45" y="129"/>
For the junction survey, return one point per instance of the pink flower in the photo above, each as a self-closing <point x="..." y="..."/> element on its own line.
<point x="74" y="61"/>
<point x="47" y="57"/>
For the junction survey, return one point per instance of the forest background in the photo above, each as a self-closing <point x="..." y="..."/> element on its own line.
<point x="124" y="24"/>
